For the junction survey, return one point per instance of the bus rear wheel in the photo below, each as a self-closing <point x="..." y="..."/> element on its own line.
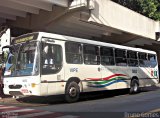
<point x="134" y="87"/>
<point x="72" y="92"/>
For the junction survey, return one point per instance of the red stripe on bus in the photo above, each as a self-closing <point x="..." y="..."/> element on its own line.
<point x="106" y="78"/>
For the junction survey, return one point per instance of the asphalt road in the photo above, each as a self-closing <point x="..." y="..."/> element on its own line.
<point x="109" y="103"/>
<point x="120" y="101"/>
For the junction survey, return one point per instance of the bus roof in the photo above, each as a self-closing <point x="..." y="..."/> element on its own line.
<point x="81" y="40"/>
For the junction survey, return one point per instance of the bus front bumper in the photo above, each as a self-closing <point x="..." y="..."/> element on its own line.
<point x="18" y="90"/>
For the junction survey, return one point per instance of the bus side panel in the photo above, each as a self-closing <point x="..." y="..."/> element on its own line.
<point x="109" y="76"/>
<point x="123" y="77"/>
<point x="85" y="73"/>
<point x="56" y="88"/>
<point x="148" y="76"/>
<point x="44" y="89"/>
<point x="129" y="73"/>
<point x="53" y="84"/>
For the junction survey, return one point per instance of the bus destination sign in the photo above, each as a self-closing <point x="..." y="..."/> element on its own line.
<point x="23" y="39"/>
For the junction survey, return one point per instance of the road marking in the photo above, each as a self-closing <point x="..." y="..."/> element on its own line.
<point x="68" y="116"/>
<point x="2" y="105"/>
<point x="21" y="110"/>
<point x="35" y="114"/>
<point x="6" y="107"/>
<point x="155" y="110"/>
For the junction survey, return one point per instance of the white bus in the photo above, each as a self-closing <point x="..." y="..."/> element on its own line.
<point x="51" y="64"/>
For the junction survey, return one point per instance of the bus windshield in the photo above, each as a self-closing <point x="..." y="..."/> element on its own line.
<point x="27" y="62"/>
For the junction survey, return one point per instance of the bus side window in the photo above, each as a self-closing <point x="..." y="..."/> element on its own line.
<point x="73" y="53"/>
<point x="152" y="60"/>
<point x="143" y="62"/>
<point x="91" y="55"/>
<point x="51" y="58"/>
<point x="120" y="57"/>
<point x="107" y="56"/>
<point x="132" y="58"/>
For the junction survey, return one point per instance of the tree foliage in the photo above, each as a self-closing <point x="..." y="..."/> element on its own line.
<point x="5" y="55"/>
<point x="149" y="8"/>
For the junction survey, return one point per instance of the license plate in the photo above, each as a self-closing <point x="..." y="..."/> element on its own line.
<point x="24" y="90"/>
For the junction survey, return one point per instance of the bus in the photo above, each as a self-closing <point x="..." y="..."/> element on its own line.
<point x="51" y="64"/>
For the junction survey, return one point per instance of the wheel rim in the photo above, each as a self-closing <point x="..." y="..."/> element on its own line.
<point x="72" y="92"/>
<point x="135" y="87"/>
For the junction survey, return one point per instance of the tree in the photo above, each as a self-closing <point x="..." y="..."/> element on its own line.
<point x="4" y="57"/>
<point x="149" y="8"/>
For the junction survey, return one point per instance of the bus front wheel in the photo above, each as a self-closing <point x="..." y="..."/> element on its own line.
<point x="72" y="92"/>
<point x="134" y="87"/>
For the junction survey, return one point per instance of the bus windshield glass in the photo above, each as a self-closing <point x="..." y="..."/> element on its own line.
<point x="27" y="61"/>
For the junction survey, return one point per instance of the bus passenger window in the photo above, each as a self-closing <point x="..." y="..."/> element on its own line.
<point x="51" y="58"/>
<point x="152" y="60"/>
<point x="107" y="56"/>
<point x="73" y="53"/>
<point x="120" y="57"/>
<point x="91" y="55"/>
<point x="132" y="58"/>
<point x="143" y="62"/>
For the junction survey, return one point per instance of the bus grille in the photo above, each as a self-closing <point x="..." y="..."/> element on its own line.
<point x="15" y="86"/>
<point x="15" y="93"/>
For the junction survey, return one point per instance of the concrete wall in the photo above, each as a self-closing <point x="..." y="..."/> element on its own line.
<point x="114" y="15"/>
<point x="105" y="12"/>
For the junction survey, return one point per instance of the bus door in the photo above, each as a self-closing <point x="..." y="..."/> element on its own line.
<point x="52" y="72"/>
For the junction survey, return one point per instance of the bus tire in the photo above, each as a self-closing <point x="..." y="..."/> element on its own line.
<point x="72" y="92"/>
<point x="134" y="87"/>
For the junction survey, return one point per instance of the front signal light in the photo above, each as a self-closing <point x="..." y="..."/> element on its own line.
<point x="33" y="85"/>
